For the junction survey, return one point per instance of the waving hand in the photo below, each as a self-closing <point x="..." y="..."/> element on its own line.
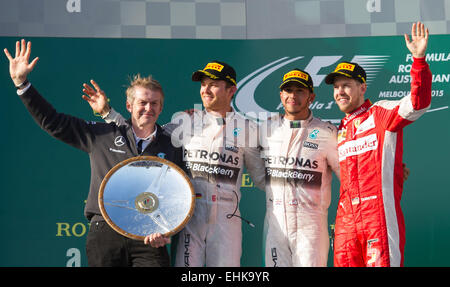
<point x="96" y="98"/>
<point x="418" y="45"/>
<point x="19" y="66"/>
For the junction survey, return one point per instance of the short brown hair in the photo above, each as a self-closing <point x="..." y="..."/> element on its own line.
<point x="144" y="82"/>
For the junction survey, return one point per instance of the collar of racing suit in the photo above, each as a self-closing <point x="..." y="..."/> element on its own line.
<point x="218" y="120"/>
<point x="297" y="123"/>
<point x="362" y="109"/>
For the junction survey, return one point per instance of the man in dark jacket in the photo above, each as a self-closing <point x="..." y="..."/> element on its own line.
<point x="107" y="145"/>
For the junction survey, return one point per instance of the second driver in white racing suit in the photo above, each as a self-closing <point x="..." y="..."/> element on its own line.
<point x="299" y="151"/>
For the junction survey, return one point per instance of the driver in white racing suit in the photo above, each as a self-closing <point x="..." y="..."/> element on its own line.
<point x="299" y="151"/>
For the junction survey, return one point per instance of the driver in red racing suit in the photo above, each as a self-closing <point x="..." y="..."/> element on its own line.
<point x="370" y="229"/>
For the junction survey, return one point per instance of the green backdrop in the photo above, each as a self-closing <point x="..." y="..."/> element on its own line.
<point x="45" y="182"/>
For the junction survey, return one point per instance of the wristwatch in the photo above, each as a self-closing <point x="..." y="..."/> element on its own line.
<point x="23" y="85"/>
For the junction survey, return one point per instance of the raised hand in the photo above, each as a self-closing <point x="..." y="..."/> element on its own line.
<point x="19" y="66"/>
<point x="419" y="35"/>
<point x="96" y="98"/>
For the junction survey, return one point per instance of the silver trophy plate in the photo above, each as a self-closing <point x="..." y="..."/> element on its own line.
<point x="144" y="195"/>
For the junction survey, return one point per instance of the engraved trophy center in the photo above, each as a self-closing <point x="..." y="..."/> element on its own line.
<point x="146" y="202"/>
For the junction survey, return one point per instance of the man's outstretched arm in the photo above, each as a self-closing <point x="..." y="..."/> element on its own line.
<point x="71" y="130"/>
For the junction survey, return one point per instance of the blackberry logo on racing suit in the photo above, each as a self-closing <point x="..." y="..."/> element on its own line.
<point x="224" y="172"/>
<point x="306" y="178"/>
<point x="213" y="173"/>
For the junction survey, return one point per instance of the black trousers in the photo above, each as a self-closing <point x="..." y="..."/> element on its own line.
<point x="107" y="248"/>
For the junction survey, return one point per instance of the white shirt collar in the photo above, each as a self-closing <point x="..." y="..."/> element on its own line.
<point x="147" y="139"/>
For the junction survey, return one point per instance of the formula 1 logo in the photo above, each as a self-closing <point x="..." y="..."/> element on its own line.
<point x="246" y="104"/>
